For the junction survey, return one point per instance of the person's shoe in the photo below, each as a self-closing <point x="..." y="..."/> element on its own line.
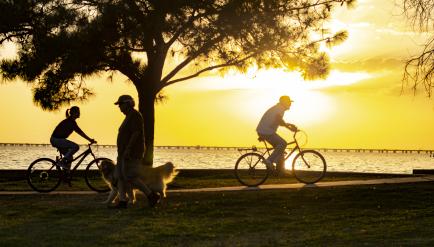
<point x="64" y="164"/>
<point x="120" y="205"/>
<point x="153" y="199"/>
<point x="269" y="165"/>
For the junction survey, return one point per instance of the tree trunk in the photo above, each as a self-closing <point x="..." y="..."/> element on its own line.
<point x="147" y="88"/>
<point x="147" y="109"/>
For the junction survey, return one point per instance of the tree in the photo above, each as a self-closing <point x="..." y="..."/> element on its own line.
<point x="63" y="42"/>
<point x="419" y="69"/>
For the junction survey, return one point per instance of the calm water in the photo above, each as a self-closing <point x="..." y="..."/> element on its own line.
<point x="19" y="157"/>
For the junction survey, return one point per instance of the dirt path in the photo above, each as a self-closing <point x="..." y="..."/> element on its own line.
<point x="262" y="187"/>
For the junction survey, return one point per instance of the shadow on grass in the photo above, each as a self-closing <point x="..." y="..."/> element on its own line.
<point x="400" y="214"/>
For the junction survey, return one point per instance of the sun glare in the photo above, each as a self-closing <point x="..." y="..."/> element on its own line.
<point x="258" y="90"/>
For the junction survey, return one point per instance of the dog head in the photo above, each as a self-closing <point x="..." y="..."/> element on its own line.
<point x="170" y="172"/>
<point x="107" y="168"/>
<point x="169" y="167"/>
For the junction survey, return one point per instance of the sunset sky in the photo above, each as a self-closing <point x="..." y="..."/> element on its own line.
<point x="360" y="105"/>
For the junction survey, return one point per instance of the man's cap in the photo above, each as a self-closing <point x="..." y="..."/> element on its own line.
<point x="285" y="98"/>
<point x="124" y="98"/>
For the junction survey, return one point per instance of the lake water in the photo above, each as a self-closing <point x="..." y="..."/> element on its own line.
<point x="19" y="157"/>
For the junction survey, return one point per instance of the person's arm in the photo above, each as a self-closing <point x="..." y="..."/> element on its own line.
<point x="131" y="141"/>
<point x="82" y="134"/>
<point x="281" y="121"/>
<point x="290" y="126"/>
<point x="137" y="125"/>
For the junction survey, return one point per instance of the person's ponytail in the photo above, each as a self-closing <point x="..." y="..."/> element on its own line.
<point x="74" y="110"/>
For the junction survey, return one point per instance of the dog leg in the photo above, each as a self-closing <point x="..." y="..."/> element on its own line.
<point x="113" y="194"/>
<point x="131" y="195"/>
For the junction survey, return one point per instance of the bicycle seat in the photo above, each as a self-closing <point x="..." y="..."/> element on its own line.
<point x="261" y="139"/>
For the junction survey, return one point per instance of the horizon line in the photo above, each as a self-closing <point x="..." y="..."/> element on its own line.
<point x="231" y="147"/>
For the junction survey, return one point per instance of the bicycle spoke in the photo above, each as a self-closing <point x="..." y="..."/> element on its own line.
<point x="309" y="166"/>
<point x="250" y="170"/>
<point x="42" y="177"/>
<point x="93" y="176"/>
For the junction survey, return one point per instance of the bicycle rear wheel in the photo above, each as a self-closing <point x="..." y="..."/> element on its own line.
<point x="250" y="169"/>
<point x="43" y="175"/>
<point x="309" y="166"/>
<point x="93" y="176"/>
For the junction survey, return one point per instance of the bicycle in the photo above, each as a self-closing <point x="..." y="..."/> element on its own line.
<point x="308" y="166"/>
<point x="45" y="174"/>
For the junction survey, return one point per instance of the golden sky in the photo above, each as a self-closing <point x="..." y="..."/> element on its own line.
<point x="360" y="105"/>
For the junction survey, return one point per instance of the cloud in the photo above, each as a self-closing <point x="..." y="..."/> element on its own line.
<point x="373" y="65"/>
<point x="385" y="84"/>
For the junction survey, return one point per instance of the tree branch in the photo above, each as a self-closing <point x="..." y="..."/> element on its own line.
<point x="184" y="27"/>
<point x="233" y="63"/>
<point x="184" y="63"/>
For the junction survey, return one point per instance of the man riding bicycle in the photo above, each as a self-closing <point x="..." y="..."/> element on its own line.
<point x="267" y="127"/>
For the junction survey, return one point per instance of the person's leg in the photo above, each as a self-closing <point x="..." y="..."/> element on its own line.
<point x="280" y="165"/>
<point x="72" y="149"/>
<point x="279" y="144"/>
<point x="132" y="173"/>
<point x="153" y="198"/>
<point x="122" y="185"/>
<point x="64" y="144"/>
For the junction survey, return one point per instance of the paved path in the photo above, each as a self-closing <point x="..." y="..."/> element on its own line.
<point x="262" y="187"/>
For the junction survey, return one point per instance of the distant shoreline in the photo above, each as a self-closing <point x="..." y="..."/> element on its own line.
<point x="200" y="147"/>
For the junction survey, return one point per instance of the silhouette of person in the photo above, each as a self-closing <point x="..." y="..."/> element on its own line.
<point x="62" y="131"/>
<point x="131" y="149"/>
<point x="267" y="127"/>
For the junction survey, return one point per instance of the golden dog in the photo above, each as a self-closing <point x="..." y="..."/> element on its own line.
<point x="155" y="178"/>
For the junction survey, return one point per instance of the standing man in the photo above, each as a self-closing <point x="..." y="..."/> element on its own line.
<point x="267" y="128"/>
<point x="131" y="149"/>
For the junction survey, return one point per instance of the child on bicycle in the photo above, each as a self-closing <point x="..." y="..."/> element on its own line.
<point x="267" y="127"/>
<point x="62" y="131"/>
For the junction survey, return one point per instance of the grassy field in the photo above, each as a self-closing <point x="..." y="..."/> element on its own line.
<point x="383" y="215"/>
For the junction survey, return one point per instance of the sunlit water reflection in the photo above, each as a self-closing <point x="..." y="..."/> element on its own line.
<point x="19" y="157"/>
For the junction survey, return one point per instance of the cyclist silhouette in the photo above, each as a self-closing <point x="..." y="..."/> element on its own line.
<point x="267" y="127"/>
<point x="62" y="131"/>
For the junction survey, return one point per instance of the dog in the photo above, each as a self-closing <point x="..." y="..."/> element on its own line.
<point x="155" y="178"/>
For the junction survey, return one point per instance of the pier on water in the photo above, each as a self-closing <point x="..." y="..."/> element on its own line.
<point x="338" y="150"/>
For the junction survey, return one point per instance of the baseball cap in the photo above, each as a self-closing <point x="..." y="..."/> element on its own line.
<point x="285" y="98"/>
<point x="124" y="98"/>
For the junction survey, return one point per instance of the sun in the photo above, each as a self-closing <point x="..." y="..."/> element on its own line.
<point x="257" y="90"/>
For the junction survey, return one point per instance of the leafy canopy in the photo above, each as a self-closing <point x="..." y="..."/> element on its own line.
<point x="62" y="42"/>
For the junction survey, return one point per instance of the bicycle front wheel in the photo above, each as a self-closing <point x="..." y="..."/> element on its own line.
<point x="309" y="166"/>
<point x="43" y="175"/>
<point x="250" y="169"/>
<point x="93" y="176"/>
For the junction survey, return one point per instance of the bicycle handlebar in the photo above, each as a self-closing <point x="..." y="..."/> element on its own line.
<point x="91" y="143"/>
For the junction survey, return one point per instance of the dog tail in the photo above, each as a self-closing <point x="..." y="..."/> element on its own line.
<point x="169" y="172"/>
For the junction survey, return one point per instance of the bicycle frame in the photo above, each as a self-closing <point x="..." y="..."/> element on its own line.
<point x="246" y="171"/>
<point x="82" y="156"/>
<point x="268" y="150"/>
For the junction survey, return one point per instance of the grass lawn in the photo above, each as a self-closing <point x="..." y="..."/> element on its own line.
<point x="383" y="215"/>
